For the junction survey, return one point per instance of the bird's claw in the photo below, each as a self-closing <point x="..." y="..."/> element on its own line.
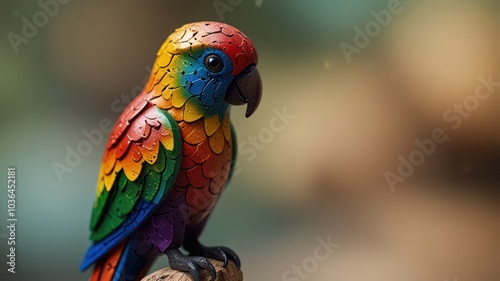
<point x="223" y="254"/>
<point x="191" y="264"/>
<point x="220" y="253"/>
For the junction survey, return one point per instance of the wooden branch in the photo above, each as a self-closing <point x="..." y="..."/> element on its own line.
<point x="230" y="273"/>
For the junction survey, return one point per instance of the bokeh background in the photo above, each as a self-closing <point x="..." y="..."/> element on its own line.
<point x="321" y="176"/>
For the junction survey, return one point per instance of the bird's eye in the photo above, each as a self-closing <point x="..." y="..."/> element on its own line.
<point x="214" y="63"/>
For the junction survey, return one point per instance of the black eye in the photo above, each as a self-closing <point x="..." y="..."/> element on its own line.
<point x="214" y="63"/>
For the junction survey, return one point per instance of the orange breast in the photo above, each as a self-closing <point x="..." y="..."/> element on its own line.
<point x="207" y="154"/>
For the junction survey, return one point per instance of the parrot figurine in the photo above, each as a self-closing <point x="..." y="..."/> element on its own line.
<point x="170" y="156"/>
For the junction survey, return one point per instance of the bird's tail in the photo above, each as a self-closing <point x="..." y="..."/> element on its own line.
<point x="121" y="264"/>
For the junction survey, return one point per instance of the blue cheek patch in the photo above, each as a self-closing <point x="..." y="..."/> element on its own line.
<point x="209" y="87"/>
<point x="196" y="87"/>
<point x="207" y="98"/>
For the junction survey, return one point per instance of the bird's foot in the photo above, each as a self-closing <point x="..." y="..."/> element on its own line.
<point x="219" y="252"/>
<point x="191" y="264"/>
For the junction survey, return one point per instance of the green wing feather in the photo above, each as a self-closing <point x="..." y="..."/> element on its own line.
<point x="112" y="208"/>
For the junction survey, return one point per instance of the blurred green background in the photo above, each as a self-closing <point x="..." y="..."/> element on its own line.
<point x="321" y="176"/>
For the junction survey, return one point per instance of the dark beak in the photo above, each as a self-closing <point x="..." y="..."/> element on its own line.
<point x="246" y="88"/>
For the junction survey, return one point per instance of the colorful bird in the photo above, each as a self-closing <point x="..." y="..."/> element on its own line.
<point x="170" y="155"/>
